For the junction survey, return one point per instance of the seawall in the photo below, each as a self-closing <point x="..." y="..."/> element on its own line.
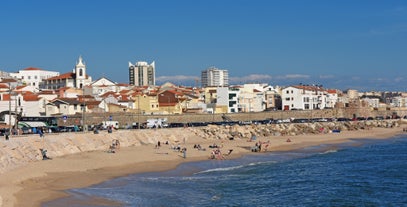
<point x="20" y="150"/>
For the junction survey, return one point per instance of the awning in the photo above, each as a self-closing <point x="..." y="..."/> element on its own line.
<point x="32" y="123"/>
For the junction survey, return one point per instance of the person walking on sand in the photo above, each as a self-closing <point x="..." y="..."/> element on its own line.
<point x="184" y="151"/>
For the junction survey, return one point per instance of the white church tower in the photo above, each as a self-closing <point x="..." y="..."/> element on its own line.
<point x="80" y="73"/>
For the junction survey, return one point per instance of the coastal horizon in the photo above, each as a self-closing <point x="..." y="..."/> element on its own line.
<point x="107" y="193"/>
<point x="75" y="170"/>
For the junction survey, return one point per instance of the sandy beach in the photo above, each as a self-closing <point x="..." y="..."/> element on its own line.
<point x="40" y="181"/>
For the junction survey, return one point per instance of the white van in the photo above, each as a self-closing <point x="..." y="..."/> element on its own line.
<point x="114" y="124"/>
<point x="157" y="123"/>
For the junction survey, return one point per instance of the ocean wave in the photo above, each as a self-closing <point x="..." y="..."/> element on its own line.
<point x="329" y="151"/>
<point x="222" y="169"/>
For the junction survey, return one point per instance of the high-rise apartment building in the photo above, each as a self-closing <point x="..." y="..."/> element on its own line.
<point x="214" y="77"/>
<point x="142" y="74"/>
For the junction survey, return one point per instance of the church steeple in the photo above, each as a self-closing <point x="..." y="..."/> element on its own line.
<point x="80" y="73"/>
<point x="80" y="62"/>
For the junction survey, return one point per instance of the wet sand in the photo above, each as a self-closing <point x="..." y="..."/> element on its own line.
<point x="42" y="181"/>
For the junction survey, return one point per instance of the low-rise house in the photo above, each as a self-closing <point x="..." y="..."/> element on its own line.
<point x="65" y="106"/>
<point x="303" y="97"/>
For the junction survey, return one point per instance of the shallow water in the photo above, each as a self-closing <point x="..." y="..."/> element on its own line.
<point x="357" y="173"/>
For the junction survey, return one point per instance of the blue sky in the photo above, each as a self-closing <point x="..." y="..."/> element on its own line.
<point x="340" y="44"/>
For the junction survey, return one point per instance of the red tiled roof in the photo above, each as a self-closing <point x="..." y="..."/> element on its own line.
<point x="31" y="97"/>
<point x="32" y="68"/>
<point x="46" y="92"/>
<point x="6" y="97"/>
<point x="331" y="91"/>
<point x="3" y="86"/>
<point x="20" y="87"/>
<point x="63" y="76"/>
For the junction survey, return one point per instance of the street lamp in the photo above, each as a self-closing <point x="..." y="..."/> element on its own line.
<point x="9" y="109"/>
<point x="139" y="111"/>
<point x="83" y="109"/>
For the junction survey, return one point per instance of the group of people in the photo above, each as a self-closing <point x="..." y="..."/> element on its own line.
<point x="114" y="146"/>
<point x="260" y="146"/>
<point x="198" y="147"/>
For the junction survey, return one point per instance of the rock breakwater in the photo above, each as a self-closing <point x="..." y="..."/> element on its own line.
<point x="21" y="150"/>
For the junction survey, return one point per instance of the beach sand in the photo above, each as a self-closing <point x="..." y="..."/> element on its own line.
<point x="46" y="180"/>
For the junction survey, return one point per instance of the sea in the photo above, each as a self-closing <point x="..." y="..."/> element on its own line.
<point x="361" y="172"/>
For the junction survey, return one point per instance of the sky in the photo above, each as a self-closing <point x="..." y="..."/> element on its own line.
<point x="342" y="44"/>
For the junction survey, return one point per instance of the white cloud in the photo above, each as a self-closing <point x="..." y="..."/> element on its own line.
<point x="251" y="78"/>
<point x="398" y="79"/>
<point x="293" y="76"/>
<point x="177" y="78"/>
<point x="326" y="76"/>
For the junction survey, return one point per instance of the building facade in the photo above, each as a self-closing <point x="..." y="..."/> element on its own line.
<point x="33" y="76"/>
<point x="142" y="74"/>
<point x="214" y="77"/>
<point x="303" y="97"/>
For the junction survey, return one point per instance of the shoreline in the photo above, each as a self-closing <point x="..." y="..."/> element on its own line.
<point x="42" y="181"/>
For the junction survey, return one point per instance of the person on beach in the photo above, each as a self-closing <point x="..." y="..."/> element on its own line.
<point x="184" y="152"/>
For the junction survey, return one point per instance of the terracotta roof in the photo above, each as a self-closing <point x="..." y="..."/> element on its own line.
<point x="20" y="87"/>
<point x="3" y="86"/>
<point x="31" y="97"/>
<point x="123" y="84"/>
<point x="109" y="93"/>
<point x="63" y="76"/>
<point x="6" y="97"/>
<point x="32" y="68"/>
<point x="332" y="91"/>
<point x="43" y="92"/>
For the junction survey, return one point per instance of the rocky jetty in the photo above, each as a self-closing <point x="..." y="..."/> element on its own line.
<point x="288" y="129"/>
<point x="20" y="150"/>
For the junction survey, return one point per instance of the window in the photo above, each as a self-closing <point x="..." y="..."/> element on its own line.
<point x="292" y="98"/>
<point x="287" y="99"/>
<point x="29" y="77"/>
<point x="80" y="72"/>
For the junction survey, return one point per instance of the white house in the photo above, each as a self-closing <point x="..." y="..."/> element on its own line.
<point x="33" y="76"/>
<point x="228" y="97"/>
<point x="102" y="86"/>
<point x="303" y="97"/>
<point x="66" y="106"/>
<point x="252" y="98"/>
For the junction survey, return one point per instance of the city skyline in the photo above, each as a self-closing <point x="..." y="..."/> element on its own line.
<point x="337" y="44"/>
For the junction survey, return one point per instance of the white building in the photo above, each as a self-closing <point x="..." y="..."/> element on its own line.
<point x="399" y="101"/>
<point x="142" y="74"/>
<point x="214" y="77"/>
<point x="228" y="98"/>
<point x="101" y="86"/>
<point x="252" y="98"/>
<point x="303" y="97"/>
<point x="33" y="76"/>
<point x="373" y="102"/>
